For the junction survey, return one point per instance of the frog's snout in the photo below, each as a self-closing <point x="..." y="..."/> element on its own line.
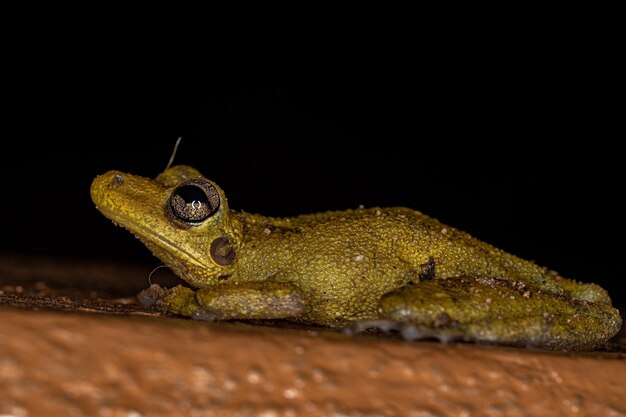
<point x="102" y="183"/>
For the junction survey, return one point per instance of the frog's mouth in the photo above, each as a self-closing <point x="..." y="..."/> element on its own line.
<point x="136" y="204"/>
<point x="161" y="246"/>
<point x="147" y="236"/>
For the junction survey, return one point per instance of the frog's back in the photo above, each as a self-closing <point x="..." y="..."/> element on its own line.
<point x="416" y="239"/>
<point x="413" y="239"/>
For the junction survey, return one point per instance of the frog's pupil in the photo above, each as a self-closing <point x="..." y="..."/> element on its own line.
<point x="194" y="202"/>
<point x="191" y="193"/>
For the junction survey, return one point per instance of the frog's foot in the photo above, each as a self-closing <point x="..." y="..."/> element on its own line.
<point x="177" y="300"/>
<point x="407" y="331"/>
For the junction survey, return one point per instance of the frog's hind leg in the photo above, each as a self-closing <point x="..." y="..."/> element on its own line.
<point x="494" y="311"/>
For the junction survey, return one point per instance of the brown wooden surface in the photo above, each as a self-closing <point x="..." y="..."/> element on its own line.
<point x="126" y="361"/>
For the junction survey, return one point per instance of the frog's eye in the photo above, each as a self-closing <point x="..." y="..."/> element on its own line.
<point x="194" y="201"/>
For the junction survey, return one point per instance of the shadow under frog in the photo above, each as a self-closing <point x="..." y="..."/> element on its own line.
<point x="380" y="267"/>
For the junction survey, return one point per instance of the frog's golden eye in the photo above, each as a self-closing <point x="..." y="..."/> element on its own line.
<point x="194" y="201"/>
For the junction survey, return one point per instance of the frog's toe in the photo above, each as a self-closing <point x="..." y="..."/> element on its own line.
<point x="151" y="295"/>
<point x="406" y="330"/>
<point x="360" y="326"/>
<point x="203" y="315"/>
<point x="412" y="332"/>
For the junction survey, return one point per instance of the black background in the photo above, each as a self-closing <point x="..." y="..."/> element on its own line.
<point x="518" y="152"/>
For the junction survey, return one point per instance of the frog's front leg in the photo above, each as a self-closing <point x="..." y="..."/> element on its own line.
<point x="235" y="300"/>
<point x="496" y="311"/>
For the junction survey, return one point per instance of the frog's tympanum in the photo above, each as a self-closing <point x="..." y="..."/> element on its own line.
<point x="351" y="269"/>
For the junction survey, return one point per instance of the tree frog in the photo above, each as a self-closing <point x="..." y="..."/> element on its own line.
<point x="358" y="268"/>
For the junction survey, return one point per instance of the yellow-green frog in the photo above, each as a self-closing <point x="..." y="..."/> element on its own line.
<point x="380" y="267"/>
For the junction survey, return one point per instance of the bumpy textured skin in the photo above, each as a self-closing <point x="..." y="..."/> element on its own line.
<point x="337" y="267"/>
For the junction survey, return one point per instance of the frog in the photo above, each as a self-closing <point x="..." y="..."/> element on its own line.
<point x="381" y="268"/>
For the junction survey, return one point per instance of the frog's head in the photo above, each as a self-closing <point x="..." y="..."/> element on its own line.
<point x="181" y="216"/>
